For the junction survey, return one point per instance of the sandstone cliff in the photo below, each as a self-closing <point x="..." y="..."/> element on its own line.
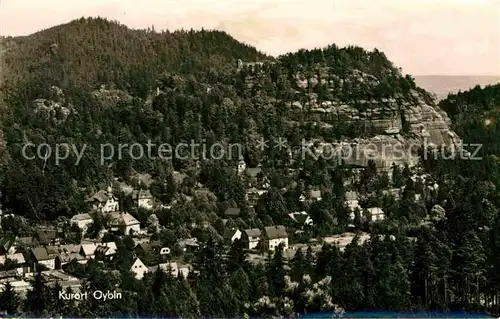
<point x="396" y="125"/>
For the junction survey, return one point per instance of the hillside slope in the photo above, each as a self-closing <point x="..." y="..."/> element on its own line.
<point x="91" y="82"/>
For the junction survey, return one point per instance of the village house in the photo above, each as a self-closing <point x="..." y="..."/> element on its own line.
<point x="230" y="235"/>
<point x="105" y="252"/>
<point x="18" y="263"/>
<point x="65" y="258"/>
<point x="7" y="246"/>
<point x="376" y="214"/>
<point x="41" y="256"/>
<point x="123" y="223"/>
<point x="83" y="221"/>
<point x="104" y="201"/>
<point x="251" y="237"/>
<point x="190" y="244"/>
<point x="88" y="250"/>
<point x="253" y="194"/>
<point x="313" y="195"/>
<point x="47" y="237"/>
<point x="154" y="248"/>
<point x="143" y="199"/>
<point x="273" y="236"/>
<point x="301" y="218"/>
<point x="25" y="243"/>
<point x="139" y="269"/>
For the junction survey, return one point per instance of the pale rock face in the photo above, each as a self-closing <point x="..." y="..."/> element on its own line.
<point x="427" y="124"/>
<point x="51" y="109"/>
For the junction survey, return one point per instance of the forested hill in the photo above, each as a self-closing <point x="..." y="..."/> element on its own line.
<point x="97" y="51"/>
<point x="89" y="83"/>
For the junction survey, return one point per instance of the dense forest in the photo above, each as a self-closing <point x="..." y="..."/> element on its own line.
<point x="100" y="79"/>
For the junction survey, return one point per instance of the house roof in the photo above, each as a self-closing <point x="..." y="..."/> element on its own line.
<point x="69" y="257"/>
<point x="52" y="250"/>
<point x="27" y="241"/>
<point x="299" y="217"/>
<point x="19" y="258"/>
<point x="129" y="219"/>
<point x="232" y="211"/>
<point x="189" y="242"/>
<point x="375" y="211"/>
<point x="80" y="217"/>
<point x="255" y="232"/>
<point x="40" y="253"/>
<point x="110" y="244"/>
<point x="143" y="246"/>
<point x="46" y="236"/>
<point x="89" y="249"/>
<point x="137" y="262"/>
<point x="274" y="232"/>
<point x="105" y="250"/>
<point x="315" y="194"/>
<point x="69" y="248"/>
<point x="229" y="233"/>
<point x="141" y="194"/>
<point x="101" y="196"/>
<point x="6" y="243"/>
<point x="120" y="218"/>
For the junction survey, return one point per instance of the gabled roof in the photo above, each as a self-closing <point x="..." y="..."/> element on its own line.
<point x="129" y="219"/>
<point x="101" y="196"/>
<point x="143" y="246"/>
<point x="232" y="211"/>
<point x="68" y="257"/>
<point x="89" y="249"/>
<point x="27" y="241"/>
<point x="40" y="253"/>
<point x="255" y="232"/>
<point x="299" y="217"/>
<point x="46" y="236"/>
<point x="6" y="243"/>
<point x="19" y="258"/>
<point x="104" y="250"/>
<point x="120" y="218"/>
<point x="80" y="217"/>
<point x="375" y="211"/>
<point x="69" y="248"/>
<point x="138" y="263"/>
<point x="274" y="232"/>
<point x="229" y="233"/>
<point x="52" y="250"/>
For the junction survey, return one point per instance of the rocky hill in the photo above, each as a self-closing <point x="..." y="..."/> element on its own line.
<point x="93" y="81"/>
<point x="353" y="88"/>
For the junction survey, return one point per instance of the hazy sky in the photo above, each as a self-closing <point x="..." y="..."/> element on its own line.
<point x="457" y="37"/>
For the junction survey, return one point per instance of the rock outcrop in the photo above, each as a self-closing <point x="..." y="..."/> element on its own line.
<point x="54" y="107"/>
<point x="397" y="125"/>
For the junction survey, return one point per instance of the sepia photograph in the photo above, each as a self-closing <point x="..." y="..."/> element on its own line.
<point x="250" y="159"/>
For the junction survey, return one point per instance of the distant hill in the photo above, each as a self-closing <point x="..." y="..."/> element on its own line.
<point x="442" y="85"/>
<point x="98" y="51"/>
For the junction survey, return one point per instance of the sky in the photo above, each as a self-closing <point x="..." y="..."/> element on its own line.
<point x="442" y="37"/>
